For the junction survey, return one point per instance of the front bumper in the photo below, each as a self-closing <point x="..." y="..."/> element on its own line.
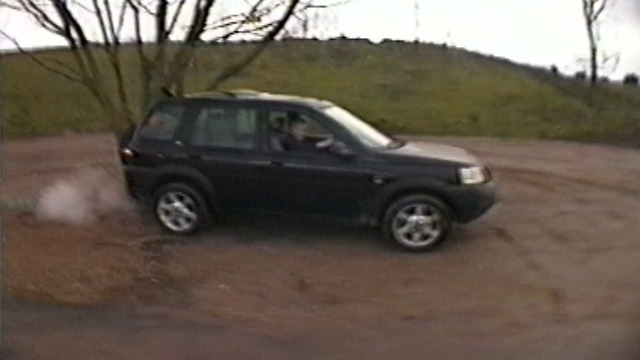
<point x="469" y="202"/>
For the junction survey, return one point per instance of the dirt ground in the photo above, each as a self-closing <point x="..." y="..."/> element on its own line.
<point x="552" y="272"/>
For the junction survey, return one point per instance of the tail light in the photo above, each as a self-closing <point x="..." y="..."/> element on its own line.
<point x="127" y="155"/>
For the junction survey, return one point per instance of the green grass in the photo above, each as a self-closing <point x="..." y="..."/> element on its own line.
<point x="401" y="87"/>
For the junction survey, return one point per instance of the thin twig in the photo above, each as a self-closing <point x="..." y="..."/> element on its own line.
<point x="41" y="63"/>
<point x="239" y="66"/>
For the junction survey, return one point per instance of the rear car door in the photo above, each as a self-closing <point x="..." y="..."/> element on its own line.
<point x="223" y="143"/>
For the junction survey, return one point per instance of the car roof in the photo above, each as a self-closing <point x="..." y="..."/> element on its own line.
<point x="251" y="95"/>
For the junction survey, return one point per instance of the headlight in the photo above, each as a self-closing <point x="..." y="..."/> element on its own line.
<point x="473" y="175"/>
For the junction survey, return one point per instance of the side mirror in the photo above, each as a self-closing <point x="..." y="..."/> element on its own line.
<point x="341" y="149"/>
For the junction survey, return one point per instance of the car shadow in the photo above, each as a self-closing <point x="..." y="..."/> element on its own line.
<point x="285" y="229"/>
<point x="252" y="228"/>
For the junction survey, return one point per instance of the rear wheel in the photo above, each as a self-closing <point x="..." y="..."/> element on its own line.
<point x="417" y="222"/>
<point x="180" y="208"/>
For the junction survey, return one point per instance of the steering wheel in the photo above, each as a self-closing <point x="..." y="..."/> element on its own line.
<point x="325" y="144"/>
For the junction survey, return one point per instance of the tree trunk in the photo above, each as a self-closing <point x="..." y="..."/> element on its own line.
<point x="145" y="88"/>
<point x="152" y="85"/>
<point x="158" y="74"/>
<point x="593" y="53"/>
<point x="116" y="118"/>
<point x="594" y="65"/>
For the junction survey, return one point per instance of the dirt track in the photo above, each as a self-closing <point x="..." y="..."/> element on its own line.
<point x="552" y="272"/>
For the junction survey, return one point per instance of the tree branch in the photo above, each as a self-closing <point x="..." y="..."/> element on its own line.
<point x="598" y="12"/>
<point x="181" y="59"/>
<point x="71" y="22"/>
<point x="199" y="21"/>
<point x="241" y="19"/>
<point x="161" y="21"/>
<point x="40" y="17"/>
<point x="43" y="64"/>
<point x="123" y="11"/>
<point x="176" y="16"/>
<point x="9" y="6"/>
<point x="101" y="22"/>
<point x="68" y="68"/>
<point x="240" y="31"/>
<point x="239" y="66"/>
<point x="145" y="7"/>
<point x="112" y="27"/>
<point x="138" y="32"/>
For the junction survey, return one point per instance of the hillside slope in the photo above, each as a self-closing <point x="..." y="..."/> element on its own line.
<point x="402" y="87"/>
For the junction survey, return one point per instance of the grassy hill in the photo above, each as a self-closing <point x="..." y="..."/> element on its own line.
<point x="402" y="87"/>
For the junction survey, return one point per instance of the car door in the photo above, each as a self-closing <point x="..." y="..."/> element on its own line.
<point x="223" y="143"/>
<point x="312" y="181"/>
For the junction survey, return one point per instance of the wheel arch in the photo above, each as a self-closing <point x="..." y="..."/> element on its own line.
<point x="397" y="191"/>
<point x="188" y="175"/>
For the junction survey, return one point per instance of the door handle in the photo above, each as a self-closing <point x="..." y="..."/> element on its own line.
<point x="194" y="156"/>
<point x="276" y="163"/>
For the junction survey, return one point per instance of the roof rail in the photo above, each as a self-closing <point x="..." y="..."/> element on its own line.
<point x="236" y="92"/>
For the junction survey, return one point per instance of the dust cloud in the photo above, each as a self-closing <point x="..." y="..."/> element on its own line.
<point x="88" y="196"/>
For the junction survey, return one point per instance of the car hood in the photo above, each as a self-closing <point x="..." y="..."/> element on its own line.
<point x="435" y="151"/>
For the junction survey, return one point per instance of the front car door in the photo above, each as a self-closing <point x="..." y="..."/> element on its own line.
<point x="305" y="179"/>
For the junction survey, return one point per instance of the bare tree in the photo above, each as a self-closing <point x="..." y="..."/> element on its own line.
<point x="179" y="26"/>
<point x="592" y="10"/>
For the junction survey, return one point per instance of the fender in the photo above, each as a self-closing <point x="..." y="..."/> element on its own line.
<point x="169" y="173"/>
<point x="404" y="186"/>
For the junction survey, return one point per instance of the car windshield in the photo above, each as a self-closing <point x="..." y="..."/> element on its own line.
<point x="364" y="132"/>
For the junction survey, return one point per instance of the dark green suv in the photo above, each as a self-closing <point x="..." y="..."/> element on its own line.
<point x="200" y="154"/>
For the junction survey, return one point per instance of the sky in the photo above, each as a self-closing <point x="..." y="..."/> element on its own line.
<point x="540" y="32"/>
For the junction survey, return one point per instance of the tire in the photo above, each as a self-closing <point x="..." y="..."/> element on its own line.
<point x="180" y="209"/>
<point x="416" y="223"/>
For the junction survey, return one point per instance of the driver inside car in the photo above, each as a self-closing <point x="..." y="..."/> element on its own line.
<point x="296" y="139"/>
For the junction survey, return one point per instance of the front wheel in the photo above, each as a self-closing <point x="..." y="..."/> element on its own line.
<point x="180" y="208"/>
<point x="417" y="222"/>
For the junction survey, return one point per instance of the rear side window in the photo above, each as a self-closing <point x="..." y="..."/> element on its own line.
<point x="163" y="122"/>
<point x="225" y="127"/>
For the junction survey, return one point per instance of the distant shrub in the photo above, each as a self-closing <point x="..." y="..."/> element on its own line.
<point x="630" y="79"/>
<point x="393" y="42"/>
<point x="554" y="71"/>
<point x="581" y="75"/>
<point x="604" y="80"/>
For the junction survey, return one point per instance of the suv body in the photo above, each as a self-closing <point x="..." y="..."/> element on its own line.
<point x="193" y="156"/>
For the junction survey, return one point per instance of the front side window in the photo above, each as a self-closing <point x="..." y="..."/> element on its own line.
<point x="295" y="132"/>
<point x="225" y="127"/>
<point x="163" y="122"/>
